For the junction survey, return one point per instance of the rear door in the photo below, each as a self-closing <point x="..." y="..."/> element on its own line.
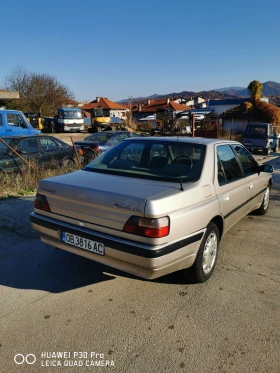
<point x="256" y="182"/>
<point x="28" y="149"/>
<point x="52" y="151"/>
<point x="231" y="188"/>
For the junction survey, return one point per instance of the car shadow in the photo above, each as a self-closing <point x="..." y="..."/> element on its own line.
<point x="27" y="263"/>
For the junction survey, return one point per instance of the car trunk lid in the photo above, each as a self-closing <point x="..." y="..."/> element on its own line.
<point x="100" y="199"/>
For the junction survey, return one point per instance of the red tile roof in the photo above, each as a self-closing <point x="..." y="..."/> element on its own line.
<point x="103" y="103"/>
<point x="161" y="104"/>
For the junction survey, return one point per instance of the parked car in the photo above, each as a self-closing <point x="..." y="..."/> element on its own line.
<point x="99" y="142"/>
<point x="151" y="206"/>
<point x="14" y="123"/>
<point x="261" y="136"/>
<point x="41" y="149"/>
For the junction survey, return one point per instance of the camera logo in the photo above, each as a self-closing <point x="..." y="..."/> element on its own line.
<point x="28" y="359"/>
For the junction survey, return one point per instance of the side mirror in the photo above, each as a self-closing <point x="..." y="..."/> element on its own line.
<point x="265" y="168"/>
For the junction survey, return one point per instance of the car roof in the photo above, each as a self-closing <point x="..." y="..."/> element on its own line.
<point x="25" y="136"/>
<point x="21" y="137"/>
<point x="113" y="132"/>
<point x="194" y="140"/>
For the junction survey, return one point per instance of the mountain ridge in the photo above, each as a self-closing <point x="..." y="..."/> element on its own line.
<point x="271" y="89"/>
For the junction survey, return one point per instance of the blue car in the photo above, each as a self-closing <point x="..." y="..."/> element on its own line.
<point x="97" y="143"/>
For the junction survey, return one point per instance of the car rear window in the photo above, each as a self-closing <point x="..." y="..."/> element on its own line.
<point x="151" y="159"/>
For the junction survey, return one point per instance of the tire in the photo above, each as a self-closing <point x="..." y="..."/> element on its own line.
<point x="265" y="203"/>
<point x="207" y="255"/>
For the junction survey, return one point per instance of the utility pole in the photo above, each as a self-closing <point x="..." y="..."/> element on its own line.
<point x="130" y="113"/>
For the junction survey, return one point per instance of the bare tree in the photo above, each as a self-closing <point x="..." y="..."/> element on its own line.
<point x="39" y="93"/>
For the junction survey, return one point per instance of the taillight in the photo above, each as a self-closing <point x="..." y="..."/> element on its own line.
<point x="96" y="148"/>
<point x="41" y="203"/>
<point x="146" y="227"/>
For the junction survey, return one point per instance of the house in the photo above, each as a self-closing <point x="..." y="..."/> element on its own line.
<point x="68" y="103"/>
<point x="196" y="102"/>
<point x="150" y="108"/>
<point x="110" y="108"/>
<point x="236" y="118"/>
<point x="220" y="106"/>
<point x="7" y="96"/>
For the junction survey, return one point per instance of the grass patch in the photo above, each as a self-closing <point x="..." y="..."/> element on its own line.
<point x="24" y="182"/>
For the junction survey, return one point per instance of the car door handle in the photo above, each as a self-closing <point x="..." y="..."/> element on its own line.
<point x="226" y="197"/>
<point x="251" y="186"/>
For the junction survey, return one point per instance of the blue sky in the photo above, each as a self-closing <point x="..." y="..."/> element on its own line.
<point x="123" y="48"/>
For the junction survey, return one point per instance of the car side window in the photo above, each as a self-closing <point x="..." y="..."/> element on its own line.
<point x="60" y="144"/>
<point x="229" y="163"/>
<point x="28" y="146"/>
<point x="47" y="144"/>
<point x="12" y="120"/>
<point x="246" y="159"/>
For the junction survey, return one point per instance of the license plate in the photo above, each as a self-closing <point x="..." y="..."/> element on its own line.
<point x="83" y="243"/>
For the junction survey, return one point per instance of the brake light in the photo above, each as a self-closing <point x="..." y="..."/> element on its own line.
<point x="147" y="227"/>
<point x="41" y="203"/>
<point x="96" y="148"/>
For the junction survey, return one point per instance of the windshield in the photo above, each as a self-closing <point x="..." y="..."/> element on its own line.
<point x="101" y="137"/>
<point x="73" y="114"/>
<point x="150" y="159"/>
<point x="98" y="113"/>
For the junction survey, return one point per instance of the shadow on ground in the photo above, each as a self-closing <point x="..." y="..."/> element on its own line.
<point x="27" y="263"/>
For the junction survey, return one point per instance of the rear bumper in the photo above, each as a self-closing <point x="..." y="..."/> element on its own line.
<point x="143" y="260"/>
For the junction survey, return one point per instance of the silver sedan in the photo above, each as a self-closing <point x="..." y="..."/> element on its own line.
<point x="151" y="206"/>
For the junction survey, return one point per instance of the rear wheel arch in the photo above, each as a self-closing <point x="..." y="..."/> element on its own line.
<point x="218" y="220"/>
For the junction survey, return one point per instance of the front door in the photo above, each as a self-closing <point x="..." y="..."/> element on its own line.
<point x="232" y="191"/>
<point x="16" y="125"/>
